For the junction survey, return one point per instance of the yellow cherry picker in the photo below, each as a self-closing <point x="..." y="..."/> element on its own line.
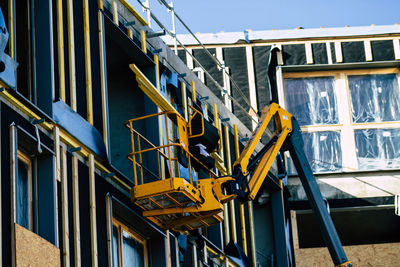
<point x="181" y="204"/>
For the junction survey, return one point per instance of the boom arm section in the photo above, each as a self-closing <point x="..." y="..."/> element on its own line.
<point x="287" y="137"/>
<point x="258" y="166"/>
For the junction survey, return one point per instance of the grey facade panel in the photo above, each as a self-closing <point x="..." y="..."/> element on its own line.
<point x="382" y="50"/>
<point x="319" y="53"/>
<point x="211" y="67"/>
<point x="235" y="59"/>
<point x="182" y="55"/>
<point x="353" y="52"/>
<point x="261" y="62"/>
<point x="294" y="54"/>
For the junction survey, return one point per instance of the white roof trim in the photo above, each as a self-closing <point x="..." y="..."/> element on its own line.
<point x="234" y="37"/>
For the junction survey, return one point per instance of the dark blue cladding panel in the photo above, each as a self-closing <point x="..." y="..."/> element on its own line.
<point x="79" y="128"/>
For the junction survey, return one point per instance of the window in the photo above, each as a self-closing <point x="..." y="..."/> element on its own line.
<point x="350" y="119"/>
<point x="24" y="203"/>
<point x="313" y="103"/>
<point x="129" y="248"/>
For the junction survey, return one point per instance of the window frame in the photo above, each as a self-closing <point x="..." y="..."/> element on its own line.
<point x="29" y="162"/>
<point x="346" y="126"/>
<point x="122" y="227"/>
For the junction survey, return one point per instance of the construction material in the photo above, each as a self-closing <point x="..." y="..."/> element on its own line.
<point x="40" y="251"/>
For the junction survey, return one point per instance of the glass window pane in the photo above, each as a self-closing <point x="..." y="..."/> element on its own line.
<point x="374" y="98"/>
<point x="132" y="250"/>
<point x="115" y="246"/>
<point x="22" y="195"/>
<point x="323" y="151"/>
<point x="378" y="148"/>
<point x="312" y="100"/>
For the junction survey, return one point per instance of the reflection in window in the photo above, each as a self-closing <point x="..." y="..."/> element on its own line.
<point x="115" y="246"/>
<point x="312" y="101"/>
<point x="374" y="98"/>
<point x="378" y="148"/>
<point x="132" y="250"/>
<point x="129" y="248"/>
<point x="23" y="194"/>
<point x="323" y="151"/>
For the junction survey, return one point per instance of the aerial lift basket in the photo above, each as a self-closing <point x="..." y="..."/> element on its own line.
<point x="167" y="199"/>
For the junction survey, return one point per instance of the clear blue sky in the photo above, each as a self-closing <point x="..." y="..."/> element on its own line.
<point x="238" y="15"/>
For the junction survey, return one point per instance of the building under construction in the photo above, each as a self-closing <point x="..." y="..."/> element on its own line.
<point x="97" y="107"/>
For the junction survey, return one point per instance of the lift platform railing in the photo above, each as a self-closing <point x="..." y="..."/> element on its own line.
<point x="162" y="187"/>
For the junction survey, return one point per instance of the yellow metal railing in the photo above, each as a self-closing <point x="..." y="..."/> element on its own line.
<point x="167" y="152"/>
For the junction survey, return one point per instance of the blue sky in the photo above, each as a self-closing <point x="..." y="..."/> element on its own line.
<point x="234" y="15"/>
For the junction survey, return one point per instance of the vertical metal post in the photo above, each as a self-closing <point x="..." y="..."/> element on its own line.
<point x="88" y="66"/>
<point x="115" y="12"/>
<point x="252" y="236"/>
<point x="168" y="248"/>
<point x="184" y="100"/>
<point x="160" y="119"/>
<point x="71" y="54"/>
<point x="109" y="229"/>
<point x="143" y="41"/>
<point x="75" y="203"/>
<point x="56" y="136"/>
<point x="278" y="217"/>
<point x="193" y="86"/>
<point x="103" y="79"/>
<point x="172" y="10"/>
<point x="11" y="29"/>
<point x="60" y="46"/>
<point x="252" y="85"/>
<point x="147" y="9"/>
<point x="13" y="174"/>
<point x="229" y="171"/>
<point x="93" y="221"/>
<point x="64" y="208"/>
<point x="241" y="205"/>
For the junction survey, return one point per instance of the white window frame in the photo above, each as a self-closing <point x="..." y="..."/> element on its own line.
<point x="345" y="126"/>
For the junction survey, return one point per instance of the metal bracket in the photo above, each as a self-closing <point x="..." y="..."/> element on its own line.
<point x="35" y="124"/>
<point x="39" y="121"/>
<point x="157" y="51"/>
<point x="244" y="139"/>
<point x="108" y="175"/>
<point x="155" y="34"/>
<point x="204" y="98"/>
<point x="129" y="23"/>
<point x="181" y="75"/>
<point x="225" y="119"/>
<point x="74" y="149"/>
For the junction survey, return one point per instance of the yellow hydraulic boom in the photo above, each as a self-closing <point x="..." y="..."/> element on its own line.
<point x="174" y="203"/>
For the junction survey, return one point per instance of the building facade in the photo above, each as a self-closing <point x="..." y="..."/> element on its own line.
<point x="342" y="85"/>
<point x="68" y="163"/>
<point x="84" y="69"/>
